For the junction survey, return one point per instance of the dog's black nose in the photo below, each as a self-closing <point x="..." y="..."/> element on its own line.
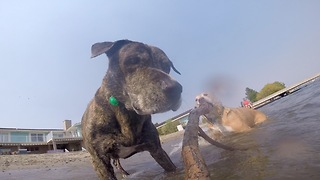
<point x="172" y="88"/>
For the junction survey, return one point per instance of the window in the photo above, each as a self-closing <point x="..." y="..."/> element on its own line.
<point x="58" y="135"/>
<point x="37" y="138"/>
<point x="4" y="137"/>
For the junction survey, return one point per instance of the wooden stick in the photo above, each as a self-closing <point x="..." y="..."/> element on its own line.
<point x="195" y="166"/>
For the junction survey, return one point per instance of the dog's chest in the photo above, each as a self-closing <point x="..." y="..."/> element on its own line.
<point x="131" y="128"/>
<point x="132" y="133"/>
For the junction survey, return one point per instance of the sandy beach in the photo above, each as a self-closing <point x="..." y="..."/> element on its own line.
<point x="70" y="165"/>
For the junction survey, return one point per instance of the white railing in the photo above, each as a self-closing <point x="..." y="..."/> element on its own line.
<point x="49" y="136"/>
<point x="65" y="135"/>
<point x="46" y="137"/>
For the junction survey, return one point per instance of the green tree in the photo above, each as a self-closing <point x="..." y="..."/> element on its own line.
<point x="269" y="89"/>
<point x="251" y="94"/>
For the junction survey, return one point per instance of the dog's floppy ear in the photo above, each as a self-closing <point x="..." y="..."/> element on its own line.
<point x="107" y="47"/>
<point x="159" y="51"/>
<point x="175" y="70"/>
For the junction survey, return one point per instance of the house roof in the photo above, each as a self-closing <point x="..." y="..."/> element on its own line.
<point x="27" y="129"/>
<point x="75" y="126"/>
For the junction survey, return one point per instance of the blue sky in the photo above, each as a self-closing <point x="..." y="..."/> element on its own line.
<point x="222" y="47"/>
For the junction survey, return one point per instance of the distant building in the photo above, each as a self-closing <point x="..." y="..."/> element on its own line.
<point x="182" y="118"/>
<point x="41" y="140"/>
<point x="48" y="140"/>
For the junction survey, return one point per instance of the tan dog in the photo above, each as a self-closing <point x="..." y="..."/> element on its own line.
<point x="226" y="119"/>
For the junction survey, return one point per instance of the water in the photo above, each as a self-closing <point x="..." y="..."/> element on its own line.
<point x="286" y="146"/>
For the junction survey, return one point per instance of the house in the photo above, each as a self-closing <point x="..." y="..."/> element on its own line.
<point x="41" y="140"/>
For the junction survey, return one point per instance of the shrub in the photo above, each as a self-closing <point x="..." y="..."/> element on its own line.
<point x="168" y="128"/>
<point x="269" y="89"/>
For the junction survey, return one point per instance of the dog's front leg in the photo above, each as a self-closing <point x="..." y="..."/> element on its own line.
<point x="157" y="153"/>
<point x="103" y="167"/>
<point x="117" y="164"/>
<point x="153" y="145"/>
<point x="125" y="152"/>
<point x="102" y="149"/>
<point x="163" y="159"/>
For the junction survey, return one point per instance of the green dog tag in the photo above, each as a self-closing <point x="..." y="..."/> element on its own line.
<point x="113" y="101"/>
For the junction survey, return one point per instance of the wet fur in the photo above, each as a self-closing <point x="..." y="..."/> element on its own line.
<point x="227" y="119"/>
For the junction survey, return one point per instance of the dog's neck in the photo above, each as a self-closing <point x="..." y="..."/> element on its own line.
<point x="130" y="123"/>
<point x="113" y="87"/>
<point x="107" y="99"/>
<point x="113" y="101"/>
<point x="218" y="111"/>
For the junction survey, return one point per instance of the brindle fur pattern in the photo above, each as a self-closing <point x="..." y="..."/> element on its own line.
<point x="138" y="78"/>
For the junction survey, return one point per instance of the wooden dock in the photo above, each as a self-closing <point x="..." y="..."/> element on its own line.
<point x="283" y="92"/>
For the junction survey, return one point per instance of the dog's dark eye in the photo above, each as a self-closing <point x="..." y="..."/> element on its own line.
<point x="132" y="61"/>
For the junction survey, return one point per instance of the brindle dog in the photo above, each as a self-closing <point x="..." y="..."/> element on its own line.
<point x="117" y="122"/>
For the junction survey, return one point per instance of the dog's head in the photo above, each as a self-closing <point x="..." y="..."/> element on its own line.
<point x="203" y="97"/>
<point x="217" y="107"/>
<point x="138" y="76"/>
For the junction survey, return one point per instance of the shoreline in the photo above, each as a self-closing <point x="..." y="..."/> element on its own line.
<point x="64" y="165"/>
